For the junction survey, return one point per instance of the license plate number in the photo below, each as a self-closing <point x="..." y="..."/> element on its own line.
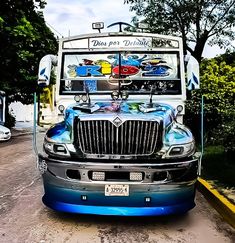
<point x="117" y="190"/>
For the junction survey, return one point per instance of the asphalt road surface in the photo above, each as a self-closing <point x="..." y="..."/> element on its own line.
<point x="23" y="217"/>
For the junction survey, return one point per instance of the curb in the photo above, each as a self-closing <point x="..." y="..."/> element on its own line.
<point x="20" y="134"/>
<point x="17" y="133"/>
<point x="218" y="201"/>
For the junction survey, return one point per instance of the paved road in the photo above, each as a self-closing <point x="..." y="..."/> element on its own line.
<point x="23" y="218"/>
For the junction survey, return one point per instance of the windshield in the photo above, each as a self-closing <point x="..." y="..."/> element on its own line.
<point x="136" y="72"/>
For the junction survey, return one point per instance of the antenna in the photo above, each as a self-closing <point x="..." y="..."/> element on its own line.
<point x="50" y="26"/>
<point x="120" y="25"/>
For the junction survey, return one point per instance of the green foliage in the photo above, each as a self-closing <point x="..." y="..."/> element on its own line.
<point x="218" y="89"/>
<point x="217" y="160"/>
<point x="228" y="57"/>
<point x="10" y="120"/>
<point x="1" y="22"/>
<point x="24" y="40"/>
<point x="218" y="86"/>
<point x="196" y="21"/>
<point x="226" y="134"/>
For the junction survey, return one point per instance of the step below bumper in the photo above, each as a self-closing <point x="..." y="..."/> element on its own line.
<point x="119" y="211"/>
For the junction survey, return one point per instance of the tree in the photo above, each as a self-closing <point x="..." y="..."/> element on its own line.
<point x="197" y="21"/>
<point x="24" y="40"/>
<point x="218" y="89"/>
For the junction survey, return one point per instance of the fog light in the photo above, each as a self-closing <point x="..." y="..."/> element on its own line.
<point x="98" y="176"/>
<point x="136" y="176"/>
<point x="73" y="174"/>
<point x="160" y="176"/>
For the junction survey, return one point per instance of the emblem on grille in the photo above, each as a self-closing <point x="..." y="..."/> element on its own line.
<point x="117" y="121"/>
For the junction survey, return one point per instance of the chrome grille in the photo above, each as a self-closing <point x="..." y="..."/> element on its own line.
<point x="133" y="137"/>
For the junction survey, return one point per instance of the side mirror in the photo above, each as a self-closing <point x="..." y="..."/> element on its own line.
<point x="44" y="71"/>
<point x="193" y="75"/>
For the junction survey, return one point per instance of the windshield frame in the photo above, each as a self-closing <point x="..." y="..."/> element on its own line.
<point x="156" y="52"/>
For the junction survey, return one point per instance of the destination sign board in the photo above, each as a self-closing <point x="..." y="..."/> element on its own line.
<point x="120" y="42"/>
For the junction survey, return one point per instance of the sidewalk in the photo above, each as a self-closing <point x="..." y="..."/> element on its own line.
<point x="25" y="128"/>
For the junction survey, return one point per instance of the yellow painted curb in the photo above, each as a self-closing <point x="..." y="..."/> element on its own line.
<point x="218" y="201"/>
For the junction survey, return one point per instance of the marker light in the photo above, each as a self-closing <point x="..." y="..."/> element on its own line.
<point x="84" y="197"/>
<point x="115" y="95"/>
<point x="49" y="146"/>
<point x="98" y="26"/>
<point x="143" y="26"/>
<point x="179" y="108"/>
<point x="147" y="199"/>
<point x="84" y="98"/>
<point x="124" y="95"/>
<point x="61" y="108"/>
<point x="77" y="98"/>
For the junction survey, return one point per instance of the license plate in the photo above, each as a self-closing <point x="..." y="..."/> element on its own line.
<point x="117" y="190"/>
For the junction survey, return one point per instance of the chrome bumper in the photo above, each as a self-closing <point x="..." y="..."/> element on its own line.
<point x="84" y="195"/>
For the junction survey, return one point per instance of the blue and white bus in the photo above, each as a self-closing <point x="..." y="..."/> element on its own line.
<point x="121" y="148"/>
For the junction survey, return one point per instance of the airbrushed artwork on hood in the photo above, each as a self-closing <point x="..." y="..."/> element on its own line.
<point x="121" y="65"/>
<point x="164" y="112"/>
<point x="62" y="132"/>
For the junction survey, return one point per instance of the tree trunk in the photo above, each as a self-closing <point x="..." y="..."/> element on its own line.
<point x="198" y="50"/>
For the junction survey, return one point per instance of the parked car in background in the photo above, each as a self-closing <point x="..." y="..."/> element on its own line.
<point x="5" y="133"/>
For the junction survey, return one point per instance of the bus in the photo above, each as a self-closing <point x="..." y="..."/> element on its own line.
<point x="121" y="147"/>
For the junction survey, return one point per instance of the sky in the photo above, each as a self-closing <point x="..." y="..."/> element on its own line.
<point x="74" y="17"/>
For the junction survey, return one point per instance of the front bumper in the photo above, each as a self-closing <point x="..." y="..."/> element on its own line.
<point x="147" y="197"/>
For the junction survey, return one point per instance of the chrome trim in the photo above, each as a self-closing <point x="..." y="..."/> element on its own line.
<point x="117" y="165"/>
<point x="58" y="170"/>
<point x="123" y="117"/>
<point x="128" y="139"/>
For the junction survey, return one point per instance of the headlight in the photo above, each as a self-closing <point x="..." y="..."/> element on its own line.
<point x="56" y="149"/>
<point x="181" y="150"/>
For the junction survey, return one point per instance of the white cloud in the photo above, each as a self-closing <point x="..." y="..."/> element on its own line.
<point x="76" y="16"/>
